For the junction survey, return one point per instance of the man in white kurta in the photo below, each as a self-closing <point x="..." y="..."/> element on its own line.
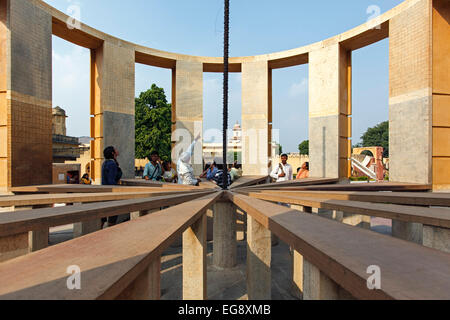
<point x="184" y="167"/>
<point x="283" y="171"/>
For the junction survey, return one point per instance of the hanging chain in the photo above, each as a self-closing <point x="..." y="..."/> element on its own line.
<point x="225" y="92"/>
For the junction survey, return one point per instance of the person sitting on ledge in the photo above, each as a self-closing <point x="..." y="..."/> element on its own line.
<point x="218" y="178"/>
<point x="170" y="175"/>
<point x="153" y="170"/>
<point x="85" y="179"/>
<point x="210" y="172"/>
<point x="235" y="171"/>
<point x="304" y="171"/>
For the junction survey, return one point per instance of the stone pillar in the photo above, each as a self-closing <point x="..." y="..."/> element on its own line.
<point x="437" y="238"/>
<point x="241" y="226"/>
<point x="297" y="263"/>
<point x="297" y="274"/>
<point x="112" y="106"/>
<point x="441" y="94"/>
<point x="14" y="246"/>
<point x="85" y="227"/>
<point x="187" y="111"/>
<point x="194" y="261"/>
<point x="38" y="239"/>
<point x="316" y="285"/>
<point x="409" y="231"/>
<point x="210" y="224"/>
<point x="25" y="94"/>
<point x="419" y="94"/>
<point x="259" y="254"/>
<point x="329" y="112"/>
<point x="352" y="219"/>
<point x="137" y="214"/>
<point x="147" y="285"/>
<point x="297" y="207"/>
<point x="256" y="117"/>
<point x="224" y="244"/>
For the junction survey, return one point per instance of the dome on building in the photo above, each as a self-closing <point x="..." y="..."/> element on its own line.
<point x="237" y="126"/>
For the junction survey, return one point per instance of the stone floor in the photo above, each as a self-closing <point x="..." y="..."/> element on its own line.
<point x="223" y="284"/>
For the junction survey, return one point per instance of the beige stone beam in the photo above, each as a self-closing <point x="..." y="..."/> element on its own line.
<point x="437" y="238"/>
<point x="317" y="286"/>
<point x="297" y="274"/>
<point x="259" y="254"/>
<point x="224" y="244"/>
<point x="137" y="214"/>
<point x="38" y="239"/>
<point x="409" y="231"/>
<point x="147" y="285"/>
<point x="194" y="261"/>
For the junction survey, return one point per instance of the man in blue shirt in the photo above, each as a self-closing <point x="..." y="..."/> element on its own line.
<point x="153" y="170"/>
<point x="210" y="172"/>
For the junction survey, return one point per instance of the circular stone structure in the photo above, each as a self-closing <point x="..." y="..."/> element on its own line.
<point x="418" y="32"/>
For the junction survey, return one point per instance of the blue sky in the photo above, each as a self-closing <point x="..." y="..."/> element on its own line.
<point x="256" y="27"/>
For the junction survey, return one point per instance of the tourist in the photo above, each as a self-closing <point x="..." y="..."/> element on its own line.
<point x="205" y="171"/>
<point x="111" y="174"/>
<point x="85" y="179"/>
<point x="218" y="177"/>
<point x="210" y="172"/>
<point x="69" y="177"/>
<point x="153" y="170"/>
<point x="169" y="175"/>
<point x="184" y="168"/>
<point x="282" y="172"/>
<point x="235" y="171"/>
<point x="304" y="171"/>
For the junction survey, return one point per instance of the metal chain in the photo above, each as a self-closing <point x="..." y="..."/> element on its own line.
<point x="225" y="92"/>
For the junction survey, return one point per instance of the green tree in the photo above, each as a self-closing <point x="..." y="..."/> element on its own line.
<point x="377" y="136"/>
<point x="303" y="147"/>
<point x="153" y="121"/>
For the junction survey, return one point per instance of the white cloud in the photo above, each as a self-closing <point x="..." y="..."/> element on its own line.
<point x="298" y="88"/>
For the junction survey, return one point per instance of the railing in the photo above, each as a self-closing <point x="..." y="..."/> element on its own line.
<point x="121" y="262"/>
<point x="330" y="260"/>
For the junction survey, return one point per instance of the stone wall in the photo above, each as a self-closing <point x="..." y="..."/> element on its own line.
<point x="25" y="94"/>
